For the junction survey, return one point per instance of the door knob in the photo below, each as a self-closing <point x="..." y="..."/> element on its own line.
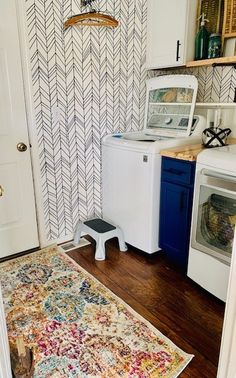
<point x="21" y="147"/>
<point x="1" y="191"/>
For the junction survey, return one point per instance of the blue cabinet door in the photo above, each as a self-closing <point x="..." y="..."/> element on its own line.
<point x="175" y="221"/>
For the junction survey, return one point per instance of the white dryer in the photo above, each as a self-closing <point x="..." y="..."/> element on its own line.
<point x="131" y="162"/>
<point x="213" y="219"/>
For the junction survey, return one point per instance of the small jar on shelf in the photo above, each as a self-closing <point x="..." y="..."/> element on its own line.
<point x="214" y="46"/>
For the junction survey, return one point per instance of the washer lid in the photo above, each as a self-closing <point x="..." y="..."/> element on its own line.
<point x="138" y="144"/>
<point x="135" y="141"/>
<point x="170" y="102"/>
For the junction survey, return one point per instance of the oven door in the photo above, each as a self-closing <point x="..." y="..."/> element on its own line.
<point x="214" y="214"/>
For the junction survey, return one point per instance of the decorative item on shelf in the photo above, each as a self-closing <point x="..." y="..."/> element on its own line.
<point x="214" y="47"/>
<point x="215" y="137"/>
<point x="91" y="18"/>
<point x="210" y="11"/>
<point x="213" y="10"/>
<point x="201" y="41"/>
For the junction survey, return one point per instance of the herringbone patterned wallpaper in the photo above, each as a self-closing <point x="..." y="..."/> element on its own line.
<point x="88" y="82"/>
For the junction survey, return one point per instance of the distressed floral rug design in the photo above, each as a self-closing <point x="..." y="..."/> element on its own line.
<point x="76" y="326"/>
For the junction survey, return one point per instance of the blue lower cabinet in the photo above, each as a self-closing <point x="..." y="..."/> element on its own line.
<point x="176" y="199"/>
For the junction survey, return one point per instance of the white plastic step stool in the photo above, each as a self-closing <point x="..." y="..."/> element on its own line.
<point x="100" y="231"/>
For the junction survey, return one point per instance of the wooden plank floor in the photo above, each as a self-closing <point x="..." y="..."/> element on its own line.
<point x="177" y="307"/>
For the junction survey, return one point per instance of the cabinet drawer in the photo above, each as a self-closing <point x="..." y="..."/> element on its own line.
<point x="178" y="171"/>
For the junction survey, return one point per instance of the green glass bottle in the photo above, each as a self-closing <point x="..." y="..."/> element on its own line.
<point x="201" y="41"/>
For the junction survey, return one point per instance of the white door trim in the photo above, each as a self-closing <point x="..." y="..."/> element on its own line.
<point x="227" y="361"/>
<point x="31" y="122"/>
<point x="5" y="364"/>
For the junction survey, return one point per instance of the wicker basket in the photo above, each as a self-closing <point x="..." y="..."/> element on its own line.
<point x="229" y="27"/>
<point x="213" y="9"/>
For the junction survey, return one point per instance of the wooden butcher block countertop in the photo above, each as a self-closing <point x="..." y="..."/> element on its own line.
<point x="188" y="152"/>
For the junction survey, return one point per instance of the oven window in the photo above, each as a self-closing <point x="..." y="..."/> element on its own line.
<point x="216" y="220"/>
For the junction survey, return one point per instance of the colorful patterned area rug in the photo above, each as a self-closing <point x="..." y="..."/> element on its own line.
<point x="76" y="326"/>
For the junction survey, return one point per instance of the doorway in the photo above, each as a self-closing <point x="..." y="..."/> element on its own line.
<point x="18" y="224"/>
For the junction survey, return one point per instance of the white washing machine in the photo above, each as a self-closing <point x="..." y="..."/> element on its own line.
<point x="213" y="219"/>
<point x="131" y="162"/>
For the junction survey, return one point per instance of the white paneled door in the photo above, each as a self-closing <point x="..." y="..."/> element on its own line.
<point x="18" y="226"/>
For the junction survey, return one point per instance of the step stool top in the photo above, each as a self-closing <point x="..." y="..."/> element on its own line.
<point x="99" y="225"/>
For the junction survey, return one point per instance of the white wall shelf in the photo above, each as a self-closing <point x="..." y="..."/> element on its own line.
<point x="226" y="60"/>
<point x="171" y="103"/>
<point x="216" y="105"/>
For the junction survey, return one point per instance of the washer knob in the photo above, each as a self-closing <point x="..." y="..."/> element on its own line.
<point x="168" y="120"/>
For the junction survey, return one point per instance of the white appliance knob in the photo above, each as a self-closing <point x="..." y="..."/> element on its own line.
<point x="168" y="120"/>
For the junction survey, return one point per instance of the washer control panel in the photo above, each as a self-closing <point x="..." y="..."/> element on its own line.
<point x="174" y="121"/>
<point x="168" y="120"/>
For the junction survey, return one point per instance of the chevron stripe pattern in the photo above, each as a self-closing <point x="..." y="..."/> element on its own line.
<point x="87" y="82"/>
